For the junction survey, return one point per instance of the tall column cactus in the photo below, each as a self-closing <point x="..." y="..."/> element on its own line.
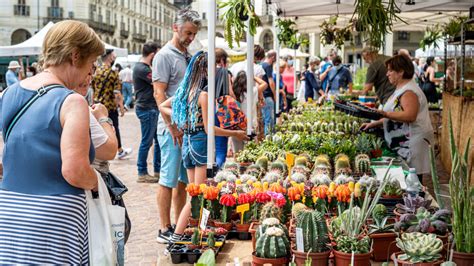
<point x="315" y="236"/>
<point x="273" y="244"/>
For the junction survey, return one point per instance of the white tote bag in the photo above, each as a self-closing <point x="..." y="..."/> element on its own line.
<point x="106" y="228"/>
<point x="301" y="92"/>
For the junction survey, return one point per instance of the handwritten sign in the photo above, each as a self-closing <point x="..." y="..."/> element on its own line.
<point x="299" y="240"/>
<point x="204" y="218"/>
<point x="242" y="209"/>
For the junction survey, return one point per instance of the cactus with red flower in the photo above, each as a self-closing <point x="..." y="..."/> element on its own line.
<point x="244" y="199"/>
<point x="227" y="201"/>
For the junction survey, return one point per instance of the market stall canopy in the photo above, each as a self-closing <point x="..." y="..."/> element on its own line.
<point x="291" y="8"/>
<point x="222" y="43"/>
<point x="33" y="45"/>
<point x="291" y="52"/>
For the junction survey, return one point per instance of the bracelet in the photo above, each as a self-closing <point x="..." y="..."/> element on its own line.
<point x="106" y="120"/>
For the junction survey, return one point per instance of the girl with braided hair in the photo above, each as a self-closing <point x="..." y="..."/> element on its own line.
<point x="188" y="110"/>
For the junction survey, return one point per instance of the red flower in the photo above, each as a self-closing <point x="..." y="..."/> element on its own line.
<point x="263" y="197"/>
<point x="227" y="200"/>
<point x="246" y="198"/>
<point x="280" y="202"/>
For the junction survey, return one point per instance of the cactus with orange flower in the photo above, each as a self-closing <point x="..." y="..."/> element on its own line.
<point x="211" y="195"/>
<point x="320" y="197"/>
<point x="276" y="187"/>
<point x="194" y="191"/>
<point x="294" y="194"/>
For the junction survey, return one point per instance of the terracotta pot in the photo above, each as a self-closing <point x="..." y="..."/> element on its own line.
<point x="384" y="245"/>
<point x="392" y="196"/>
<point x="344" y="259"/>
<point x="401" y="262"/>
<point x="317" y="259"/>
<point x="253" y="230"/>
<point x="242" y="227"/>
<point x="193" y="222"/>
<point x="256" y="261"/>
<point x="210" y="223"/>
<point x="376" y="153"/>
<point x="226" y="226"/>
<point x="463" y="259"/>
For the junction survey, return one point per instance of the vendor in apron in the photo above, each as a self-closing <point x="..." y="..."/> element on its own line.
<point x="406" y="123"/>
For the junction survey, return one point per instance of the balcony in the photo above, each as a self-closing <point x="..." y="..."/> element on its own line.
<point x="124" y="33"/>
<point x="139" y="37"/>
<point x="55" y="14"/>
<point x="21" y="10"/>
<point x="101" y="27"/>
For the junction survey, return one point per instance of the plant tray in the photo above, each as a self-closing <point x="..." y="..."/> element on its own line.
<point x="180" y="253"/>
<point x="357" y="110"/>
<point x="239" y="235"/>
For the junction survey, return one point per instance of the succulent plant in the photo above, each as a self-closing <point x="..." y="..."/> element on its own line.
<point x="322" y="160"/>
<point x="425" y="222"/>
<point x="343" y="179"/>
<point x="315" y="237"/>
<point x="278" y="167"/>
<point x="211" y="239"/>
<point x="298" y="177"/>
<point x="379" y="212"/>
<point x="195" y="240"/>
<point x="262" y="161"/>
<point x="270" y="222"/>
<point x="393" y="188"/>
<point x="246" y="177"/>
<point x="362" y="163"/>
<point x="366" y="181"/>
<point x="271" y="177"/>
<point x="255" y="170"/>
<point x="297" y="208"/>
<point x="270" y="210"/>
<point x="411" y="204"/>
<point x="377" y="143"/>
<point x="272" y="244"/>
<point x="321" y="179"/>
<point x="342" y="164"/>
<point x="301" y="160"/>
<point x="225" y="176"/>
<point x="300" y="169"/>
<point x="348" y="244"/>
<point x="232" y="167"/>
<point x="419" y="247"/>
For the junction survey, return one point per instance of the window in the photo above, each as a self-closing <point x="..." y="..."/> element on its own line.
<point x="21" y="2"/>
<point x="403" y="36"/>
<point x="107" y="17"/>
<point x="21" y="9"/>
<point x="55" y="3"/>
<point x="100" y="17"/>
<point x="204" y="15"/>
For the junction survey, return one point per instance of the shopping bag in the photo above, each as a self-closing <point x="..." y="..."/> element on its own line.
<point x="106" y="228"/>
<point x="301" y="92"/>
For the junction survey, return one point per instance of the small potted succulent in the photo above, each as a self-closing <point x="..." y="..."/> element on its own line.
<point x="228" y="203"/>
<point x="194" y="192"/>
<point x="411" y="204"/>
<point x="195" y="240"/>
<point x="382" y="235"/>
<point x="425" y="222"/>
<point x="277" y="255"/>
<point x="392" y="190"/>
<point x="418" y="249"/>
<point x="211" y="240"/>
<point x="315" y="239"/>
<point x="376" y="151"/>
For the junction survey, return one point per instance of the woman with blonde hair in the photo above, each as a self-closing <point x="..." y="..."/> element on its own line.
<point x="47" y="154"/>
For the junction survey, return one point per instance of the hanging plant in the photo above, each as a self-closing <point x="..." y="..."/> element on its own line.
<point x="453" y="27"/>
<point x="432" y="35"/>
<point x="376" y="17"/>
<point x="330" y="34"/>
<point x="288" y="34"/>
<point x="234" y="17"/>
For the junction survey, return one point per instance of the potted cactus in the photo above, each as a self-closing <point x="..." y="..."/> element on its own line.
<point x="268" y="210"/>
<point x="315" y="239"/>
<point x="376" y="151"/>
<point x="392" y="190"/>
<point x="382" y="235"/>
<point x="418" y="249"/>
<point x="194" y="192"/>
<point x="272" y="248"/>
<point x="362" y="164"/>
<point x="342" y="164"/>
<point x="243" y="226"/>
<point x="211" y="240"/>
<point x="228" y="202"/>
<point x="195" y="240"/>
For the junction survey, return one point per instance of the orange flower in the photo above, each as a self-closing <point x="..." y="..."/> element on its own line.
<point x="294" y="194"/>
<point x="343" y="193"/>
<point x="211" y="193"/>
<point x="320" y="192"/>
<point x="276" y="187"/>
<point x="193" y="190"/>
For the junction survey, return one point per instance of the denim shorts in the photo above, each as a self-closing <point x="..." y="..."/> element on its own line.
<point x="172" y="169"/>
<point x="195" y="150"/>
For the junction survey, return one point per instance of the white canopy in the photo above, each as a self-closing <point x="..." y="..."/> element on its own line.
<point x="33" y="45"/>
<point x="222" y="43"/>
<point x="291" y="52"/>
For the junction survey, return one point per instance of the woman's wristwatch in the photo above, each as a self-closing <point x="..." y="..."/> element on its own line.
<point x="106" y="120"/>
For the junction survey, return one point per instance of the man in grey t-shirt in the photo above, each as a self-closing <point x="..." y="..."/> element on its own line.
<point x="377" y="74"/>
<point x="168" y="69"/>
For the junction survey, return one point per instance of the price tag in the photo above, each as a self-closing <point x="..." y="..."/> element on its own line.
<point x="242" y="209"/>
<point x="204" y="218"/>
<point x="299" y="240"/>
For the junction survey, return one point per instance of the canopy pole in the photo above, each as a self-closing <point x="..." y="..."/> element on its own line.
<point x="250" y="79"/>
<point x="295" y="89"/>
<point x="277" y="81"/>
<point x="211" y="87"/>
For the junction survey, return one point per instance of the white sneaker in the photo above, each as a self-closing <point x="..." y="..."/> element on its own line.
<point x="124" y="153"/>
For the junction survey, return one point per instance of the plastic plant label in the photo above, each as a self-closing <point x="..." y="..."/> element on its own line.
<point x="242" y="209"/>
<point x="205" y="217"/>
<point x="290" y="159"/>
<point x="299" y="239"/>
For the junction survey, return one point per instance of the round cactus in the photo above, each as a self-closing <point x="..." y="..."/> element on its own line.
<point x="271" y="177"/>
<point x="297" y="208"/>
<point x="379" y="212"/>
<point x="362" y="163"/>
<point x="315" y="237"/>
<point x="211" y="239"/>
<point x="270" y="222"/>
<point x="225" y="176"/>
<point x="298" y="177"/>
<point x="269" y="210"/>
<point x="322" y="160"/>
<point x="301" y="160"/>
<point x="342" y="164"/>
<point x="262" y="162"/>
<point x="273" y="244"/>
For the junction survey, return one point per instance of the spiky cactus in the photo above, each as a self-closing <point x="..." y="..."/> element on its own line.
<point x="342" y="164"/>
<point x="279" y="166"/>
<point x="270" y="222"/>
<point x="362" y="163"/>
<point x="195" y="240"/>
<point x="322" y="160"/>
<point x="297" y="208"/>
<point x="301" y="160"/>
<point x="419" y="247"/>
<point x="315" y="236"/>
<point x="270" y="210"/>
<point x="211" y="239"/>
<point x="273" y="244"/>
<point x="262" y="162"/>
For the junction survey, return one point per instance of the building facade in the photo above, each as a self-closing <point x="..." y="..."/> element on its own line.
<point x="122" y="23"/>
